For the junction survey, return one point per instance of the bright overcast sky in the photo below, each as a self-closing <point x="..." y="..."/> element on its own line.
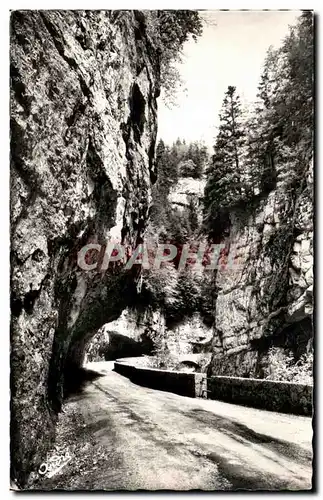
<point x="230" y="51"/>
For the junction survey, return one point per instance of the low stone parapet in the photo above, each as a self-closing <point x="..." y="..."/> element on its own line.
<point x="285" y="397"/>
<point x="182" y="383"/>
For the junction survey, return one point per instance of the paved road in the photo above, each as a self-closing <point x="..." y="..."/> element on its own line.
<point x="159" y="440"/>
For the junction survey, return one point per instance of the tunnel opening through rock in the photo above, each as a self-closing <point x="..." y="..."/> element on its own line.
<point x="94" y="126"/>
<point x="110" y="345"/>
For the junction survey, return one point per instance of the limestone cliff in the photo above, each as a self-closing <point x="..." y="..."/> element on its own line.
<point x="186" y="189"/>
<point x="83" y="129"/>
<point x="142" y="333"/>
<point x="267" y="300"/>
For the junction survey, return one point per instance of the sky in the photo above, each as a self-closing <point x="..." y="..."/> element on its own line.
<point x="231" y="51"/>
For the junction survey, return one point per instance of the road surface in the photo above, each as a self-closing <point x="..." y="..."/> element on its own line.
<point x="138" y="438"/>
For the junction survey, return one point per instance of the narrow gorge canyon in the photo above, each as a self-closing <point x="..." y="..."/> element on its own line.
<point x="85" y="169"/>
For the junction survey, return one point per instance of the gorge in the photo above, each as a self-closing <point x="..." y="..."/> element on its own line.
<point x="85" y="169"/>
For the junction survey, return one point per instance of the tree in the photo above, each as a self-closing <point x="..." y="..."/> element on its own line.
<point x="225" y="180"/>
<point x="281" y="129"/>
<point x="187" y="295"/>
<point x="198" y="154"/>
<point x="166" y="164"/>
<point x="159" y="286"/>
<point x="187" y="168"/>
<point x="260" y="159"/>
<point x="298" y="55"/>
<point x="192" y="214"/>
<point x="169" y="30"/>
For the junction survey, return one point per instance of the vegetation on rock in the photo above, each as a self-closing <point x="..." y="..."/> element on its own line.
<point x="169" y="30"/>
<point x="274" y="142"/>
<point x="281" y="366"/>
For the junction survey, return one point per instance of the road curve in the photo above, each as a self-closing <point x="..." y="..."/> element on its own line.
<point x="152" y="440"/>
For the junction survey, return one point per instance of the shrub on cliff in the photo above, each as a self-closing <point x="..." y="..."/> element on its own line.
<point x="159" y="287"/>
<point x="169" y="30"/>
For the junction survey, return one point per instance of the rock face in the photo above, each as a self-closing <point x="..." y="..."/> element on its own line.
<point x="127" y="336"/>
<point x="135" y="325"/>
<point x="191" y="336"/>
<point x="185" y="190"/>
<point x="134" y="334"/>
<point x="266" y="300"/>
<point x="83" y="130"/>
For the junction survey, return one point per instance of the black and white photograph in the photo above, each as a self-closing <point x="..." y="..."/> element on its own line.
<point x="162" y="250"/>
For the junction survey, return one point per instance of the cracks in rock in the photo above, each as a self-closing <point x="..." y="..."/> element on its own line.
<point x="103" y="194"/>
<point x="27" y="303"/>
<point x="19" y="89"/>
<point x="152" y="162"/>
<point x="280" y="247"/>
<point x="54" y="33"/>
<point x="130" y="147"/>
<point x="31" y="180"/>
<point x="64" y="289"/>
<point x="19" y="150"/>
<point x="15" y="261"/>
<point x="37" y="255"/>
<point x="78" y="110"/>
<point x="31" y="296"/>
<point x="71" y="120"/>
<point x="137" y="112"/>
<point x="16" y="305"/>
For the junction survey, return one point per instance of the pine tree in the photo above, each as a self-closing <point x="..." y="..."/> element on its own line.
<point x="187" y="168"/>
<point x="225" y="178"/>
<point x="167" y="163"/>
<point x="263" y="124"/>
<point x="192" y="214"/>
<point x="297" y="54"/>
<point x="166" y="176"/>
<point x="281" y="130"/>
<point x="198" y="154"/>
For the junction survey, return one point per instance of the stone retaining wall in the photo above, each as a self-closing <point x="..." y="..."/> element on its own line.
<point x="182" y="383"/>
<point x="285" y="397"/>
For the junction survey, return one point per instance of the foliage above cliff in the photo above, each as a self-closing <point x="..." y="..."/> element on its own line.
<point x="169" y="30"/>
<point x="274" y="143"/>
<point x="175" y="27"/>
